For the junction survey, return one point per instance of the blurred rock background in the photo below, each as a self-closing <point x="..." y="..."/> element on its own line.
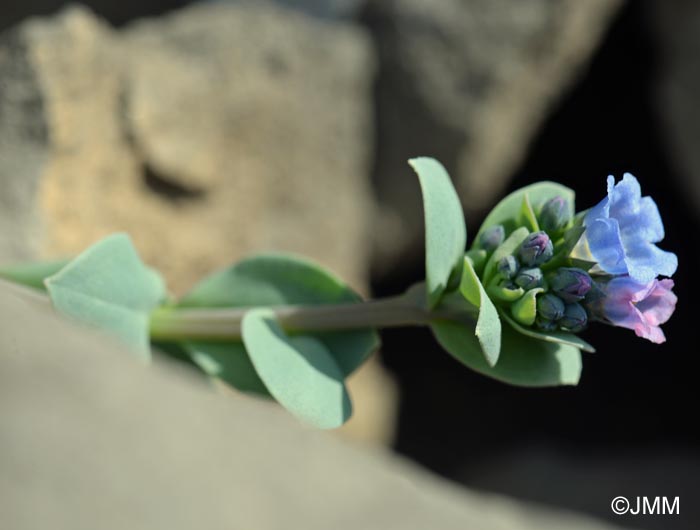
<point x="212" y="130"/>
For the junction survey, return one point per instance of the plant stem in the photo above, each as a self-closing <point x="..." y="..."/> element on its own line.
<point x="225" y="324"/>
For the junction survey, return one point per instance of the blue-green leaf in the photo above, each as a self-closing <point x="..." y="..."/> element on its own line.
<point x="274" y="280"/>
<point x="524" y="361"/>
<point x="108" y="287"/>
<point x="488" y="325"/>
<point x="562" y="337"/>
<point x="229" y="362"/>
<point x="508" y="211"/>
<point x="445" y="230"/>
<point x="298" y="371"/>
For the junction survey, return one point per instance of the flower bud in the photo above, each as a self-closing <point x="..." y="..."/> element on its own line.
<point x="550" y="307"/>
<point x="555" y="214"/>
<point x="529" y="278"/>
<point x="508" y="266"/>
<point x="571" y="284"/>
<point x="575" y="318"/>
<point x="492" y="237"/>
<point x="545" y="325"/>
<point x="536" y="249"/>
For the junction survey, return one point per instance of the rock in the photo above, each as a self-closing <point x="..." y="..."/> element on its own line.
<point x="468" y="82"/>
<point x="91" y="437"/>
<point x="331" y="9"/>
<point x="677" y="30"/>
<point x="23" y="138"/>
<point x="209" y="134"/>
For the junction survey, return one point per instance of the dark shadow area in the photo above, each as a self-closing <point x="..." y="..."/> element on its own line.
<point x="169" y="188"/>
<point x="630" y="427"/>
<point x="117" y="13"/>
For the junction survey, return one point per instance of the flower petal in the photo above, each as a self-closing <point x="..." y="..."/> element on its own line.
<point x="658" y="307"/>
<point x="605" y="245"/>
<point x="645" y="260"/>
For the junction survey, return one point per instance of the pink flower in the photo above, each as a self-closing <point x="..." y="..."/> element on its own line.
<point x="638" y="306"/>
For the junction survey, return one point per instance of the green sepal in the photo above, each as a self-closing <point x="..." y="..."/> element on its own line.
<point x="500" y="292"/>
<point x="527" y="215"/>
<point x="524" y="310"/>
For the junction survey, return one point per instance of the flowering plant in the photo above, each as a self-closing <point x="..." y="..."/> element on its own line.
<point x="511" y="306"/>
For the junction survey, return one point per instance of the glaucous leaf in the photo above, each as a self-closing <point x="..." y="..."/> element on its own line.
<point x="299" y="371"/>
<point x="523" y="361"/>
<point x="228" y="361"/>
<point x="508" y="211"/>
<point x="109" y="287"/>
<point x="274" y="280"/>
<point x="445" y="229"/>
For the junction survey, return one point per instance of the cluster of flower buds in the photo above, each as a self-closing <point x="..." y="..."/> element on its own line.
<point x="602" y="265"/>
<point x="559" y="293"/>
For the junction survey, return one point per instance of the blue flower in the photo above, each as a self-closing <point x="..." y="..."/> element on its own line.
<point x="621" y="232"/>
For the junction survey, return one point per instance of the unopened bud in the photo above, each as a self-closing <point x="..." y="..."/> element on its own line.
<point x="536" y="249"/>
<point x="492" y="237"/>
<point x="550" y="307"/>
<point x="529" y="278"/>
<point x="575" y="318"/>
<point x="555" y="214"/>
<point x="508" y="266"/>
<point x="545" y="325"/>
<point x="571" y="284"/>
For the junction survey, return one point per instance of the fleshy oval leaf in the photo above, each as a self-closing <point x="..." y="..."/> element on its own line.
<point x="523" y="361"/>
<point x="298" y="371"/>
<point x="281" y="279"/>
<point x="445" y="229"/>
<point x="507" y="211"/>
<point x="109" y="287"/>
